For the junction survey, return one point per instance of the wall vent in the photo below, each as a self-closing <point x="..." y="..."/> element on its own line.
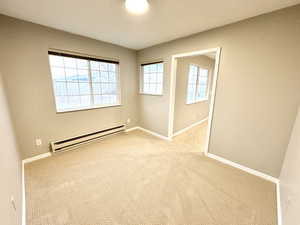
<point x="67" y="144"/>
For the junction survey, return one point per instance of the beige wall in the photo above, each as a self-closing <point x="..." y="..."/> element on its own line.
<point x="258" y="87"/>
<point x="24" y="64"/>
<point x="188" y="114"/>
<point x="290" y="178"/>
<point x="10" y="167"/>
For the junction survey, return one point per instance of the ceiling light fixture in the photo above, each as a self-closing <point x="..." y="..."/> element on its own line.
<point x="137" y="6"/>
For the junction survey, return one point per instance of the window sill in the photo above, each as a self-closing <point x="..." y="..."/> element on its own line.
<point x="87" y="108"/>
<point x="201" y="100"/>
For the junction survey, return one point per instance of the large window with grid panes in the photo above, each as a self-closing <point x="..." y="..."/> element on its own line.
<point x="81" y="82"/>
<point x="152" y="78"/>
<point x="197" y="87"/>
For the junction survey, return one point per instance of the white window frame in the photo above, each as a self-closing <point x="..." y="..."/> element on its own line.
<point x="197" y="86"/>
<point x="141" y="88"/>
<point x="92" y="105"/>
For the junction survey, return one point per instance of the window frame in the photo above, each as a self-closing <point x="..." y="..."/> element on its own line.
<point x="90" y="82"/>
<point x="207" y="87"/>
<point x="141" y="88"/>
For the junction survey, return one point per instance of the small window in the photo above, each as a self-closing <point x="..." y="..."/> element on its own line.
<point x="83" y="83"/>
<point x="152" y="78"/>
<point x="197" y="89"/>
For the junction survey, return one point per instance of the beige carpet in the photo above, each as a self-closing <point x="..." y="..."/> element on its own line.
<point x="192" y="140"/>
<point x="137" y="179"/>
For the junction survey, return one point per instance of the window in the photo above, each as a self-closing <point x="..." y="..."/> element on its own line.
<point x="83" y="83"/>
<point x="152" y="78"/>
<point x="197" y="89"/>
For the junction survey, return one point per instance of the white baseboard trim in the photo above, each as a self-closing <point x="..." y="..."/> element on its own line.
<point x="279" y="212"/>
<point x="37" y="157"/>
<point x="244" y="168"/>
<point x="154" y="134"/>
<point x="23" y="196"/>
<point x="131" y="129"/>
<point x="189" y="127"/>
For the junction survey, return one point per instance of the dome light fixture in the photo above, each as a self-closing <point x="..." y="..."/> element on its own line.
<point x="137" y="6"/>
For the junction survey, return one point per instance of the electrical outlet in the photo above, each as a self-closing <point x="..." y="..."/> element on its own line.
<point x="13" y="203"/>
<point x="38" y="142"/>
<point x="128" y="121"/>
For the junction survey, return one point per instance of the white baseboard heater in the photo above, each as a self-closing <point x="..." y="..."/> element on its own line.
<point x="67" y="144"/>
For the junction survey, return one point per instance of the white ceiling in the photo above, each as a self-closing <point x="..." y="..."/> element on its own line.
<point x="107" y="20"/>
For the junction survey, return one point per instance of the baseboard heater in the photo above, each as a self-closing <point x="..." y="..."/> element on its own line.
<point x="67" y="144"/>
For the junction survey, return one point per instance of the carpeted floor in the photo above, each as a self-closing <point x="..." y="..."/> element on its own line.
<point x="136" y="179"/>
<point x="192" y="140"/>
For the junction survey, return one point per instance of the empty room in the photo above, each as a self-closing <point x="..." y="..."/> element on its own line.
<point x="149" y="112"/>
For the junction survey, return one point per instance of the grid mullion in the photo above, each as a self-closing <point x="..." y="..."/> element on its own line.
<point x="90" y="83"/>
<point x="66" y="83"/>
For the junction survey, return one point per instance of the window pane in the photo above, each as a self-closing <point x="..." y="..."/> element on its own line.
<point x="85" y="100"/>
<point x="104" y="76"/>
<point x="146" y="88"/>
<point x="61" y="102"/>
<point x="112" y="67"/>
<point x="190" y="99"/>
<point x="58" y="74"/>
<point x="74" y="101"/>
<point x="160" y="67"/>
<point x="197" y="84"/>
<point x="152" y="89"/>
<point x="97" y="88"/>
<point x="193" y="69"/>
<point x="202" y="90"/>
<point x="112" y="77"/>
<point x="153" y="68"/>
<point x="56" y="60"/>
<point x="112" y="88"/>
<point x="84" y="88"/>
<point x="114" y="99"/>
<point x="95" y="76"/>
<point x="152" y="78"/>
<point x="72" y="88"/>
<point x="70" y="62"/>
<point x="146" y="78"/>
<point x="71" y="75"/>
<point x="83" y="75"/>
<point x="60" y="88"/>
<point x="202" y="81"/>
<point x="95" y="65"/>
<point x="203" y="72"/>
<point x="192" y="74"/>
<point x="105" y="99"/>
<point x="147" y="68"/>
<point x="159" y="78"/>
<point x="82" y="63"/>
<point x="105" y="88"/>
<point x="193" y="78"/>
<point x="97" y="99"/>
<point x="103" y="66"/>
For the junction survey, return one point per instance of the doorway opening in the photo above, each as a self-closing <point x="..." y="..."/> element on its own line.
<point x="194" y="78"/>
